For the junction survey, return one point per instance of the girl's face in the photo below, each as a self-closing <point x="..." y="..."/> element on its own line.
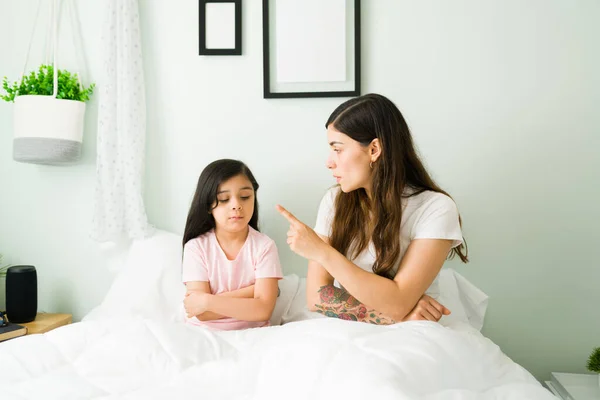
<point x="348" y="161"/>
<point x="235" y="204"/>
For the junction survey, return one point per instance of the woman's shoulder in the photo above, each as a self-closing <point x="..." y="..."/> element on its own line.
<point x="333" y="191"/>
<point x="330" y="195"/>
<point x="428" y="199"/>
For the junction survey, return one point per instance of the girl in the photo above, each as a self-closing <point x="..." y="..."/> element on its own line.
<point x="230" y="269"/>
<point x="383" y="232"/>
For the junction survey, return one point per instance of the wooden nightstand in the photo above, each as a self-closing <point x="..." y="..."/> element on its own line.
<point x="45" y="322"/>
<point x="574" y="386"/>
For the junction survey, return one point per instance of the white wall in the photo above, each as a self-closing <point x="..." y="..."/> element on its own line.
<point x="501" y="99"/>
<point x="45" y="212"/>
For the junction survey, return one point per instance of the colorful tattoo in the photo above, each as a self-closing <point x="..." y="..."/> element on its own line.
<point x="338" y="303"/>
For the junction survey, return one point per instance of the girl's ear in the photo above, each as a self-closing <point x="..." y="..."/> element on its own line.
<point x="374" y="150"/>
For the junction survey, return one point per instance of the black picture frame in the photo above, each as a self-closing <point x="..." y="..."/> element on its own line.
<point x="270" y="93"/>
<point x="203" y="50"/>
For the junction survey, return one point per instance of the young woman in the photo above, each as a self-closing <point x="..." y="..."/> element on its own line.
<point x="384" y="231"/>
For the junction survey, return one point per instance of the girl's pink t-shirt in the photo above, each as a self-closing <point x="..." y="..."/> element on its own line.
<point x="205" y="260"/>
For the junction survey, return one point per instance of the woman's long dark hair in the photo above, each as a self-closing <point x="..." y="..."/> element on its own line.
<point x="365" y="118"/>
<point x="199" y="219"/>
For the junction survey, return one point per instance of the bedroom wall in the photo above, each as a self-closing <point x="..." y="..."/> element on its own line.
<point x="45" y="212"/>
<point x="500" y="97"/>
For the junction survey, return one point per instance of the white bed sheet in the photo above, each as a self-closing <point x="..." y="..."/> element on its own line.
<point x="135" y="358"/>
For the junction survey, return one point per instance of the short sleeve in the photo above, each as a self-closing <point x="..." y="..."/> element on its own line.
<point x="439" y="220"/>
<point x="194" y="264"/>
<point x="268" y="265"/>
<point x="326" y="213"/>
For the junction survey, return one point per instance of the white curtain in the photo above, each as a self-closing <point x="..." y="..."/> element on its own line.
<point x="119" y="206"/>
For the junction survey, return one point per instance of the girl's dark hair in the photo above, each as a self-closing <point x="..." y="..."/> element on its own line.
<point x="364" y="119"/>
<point x="199" y="219"/>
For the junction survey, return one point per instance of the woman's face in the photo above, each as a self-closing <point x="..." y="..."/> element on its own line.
<point x="235" y="204"/>
<point x="348" y="161"/>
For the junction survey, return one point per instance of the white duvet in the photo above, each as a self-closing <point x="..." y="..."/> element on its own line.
<point x="314" y="359"/>
<point x="133" y="347"/>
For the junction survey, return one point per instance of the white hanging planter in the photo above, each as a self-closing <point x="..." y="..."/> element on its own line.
<point x="47" y="130"/>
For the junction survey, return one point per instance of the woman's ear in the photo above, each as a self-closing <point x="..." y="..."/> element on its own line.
<point x="374" y="150"/>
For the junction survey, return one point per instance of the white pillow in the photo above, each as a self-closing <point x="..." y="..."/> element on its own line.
<point x="149" y="284"/>
<point x="298" y="311"/>
<point x="467" y="303"/>
<point x="288" y="287"/>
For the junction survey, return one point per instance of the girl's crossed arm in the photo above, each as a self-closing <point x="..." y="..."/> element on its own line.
<point x="205" y="306"/>
<point x="204" y="287"/>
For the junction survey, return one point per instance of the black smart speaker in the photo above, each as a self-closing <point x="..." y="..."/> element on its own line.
<point x="21" y="293"/>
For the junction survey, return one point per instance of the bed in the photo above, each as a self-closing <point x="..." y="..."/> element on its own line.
<point x="134" y="345"/>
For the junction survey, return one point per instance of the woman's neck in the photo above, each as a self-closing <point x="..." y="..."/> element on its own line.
<point x="368" y="189"/>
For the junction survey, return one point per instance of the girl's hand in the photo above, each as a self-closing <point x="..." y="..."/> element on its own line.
<point x="195" y="303"/>
<point x="302" y="239"/>
<point x="427" y="309"/>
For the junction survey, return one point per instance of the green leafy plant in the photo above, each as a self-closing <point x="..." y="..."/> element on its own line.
<point x="593" y="363"/>
<point x="41" y="82"/>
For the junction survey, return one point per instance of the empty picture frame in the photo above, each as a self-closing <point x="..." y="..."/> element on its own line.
<point x="311" y="48"/>
<point x="220" y="27"/>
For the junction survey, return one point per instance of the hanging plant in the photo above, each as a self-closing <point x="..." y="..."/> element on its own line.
<point x="41" y="82"/>
<point x="50" y="103"/>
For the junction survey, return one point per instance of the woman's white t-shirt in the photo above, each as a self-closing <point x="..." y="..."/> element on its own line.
<point x="427" y="215"/>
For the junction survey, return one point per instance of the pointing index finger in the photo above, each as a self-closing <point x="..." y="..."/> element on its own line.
<point x="287" y="215"/>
